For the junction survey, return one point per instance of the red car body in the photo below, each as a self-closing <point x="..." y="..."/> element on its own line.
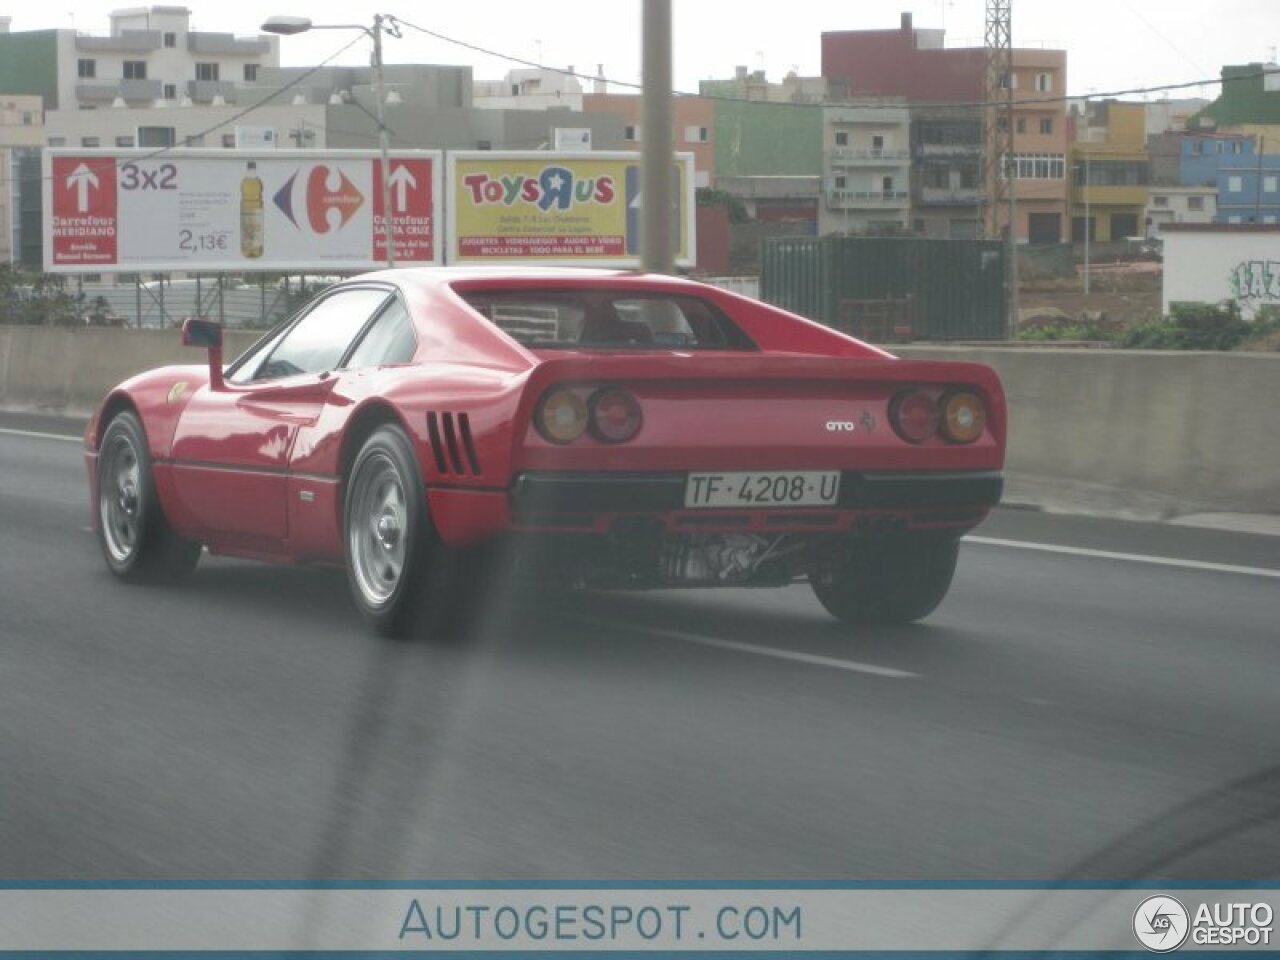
<point x="258" y="468"/>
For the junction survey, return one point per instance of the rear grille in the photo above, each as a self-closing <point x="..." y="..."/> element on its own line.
<point x="452" y="446"/>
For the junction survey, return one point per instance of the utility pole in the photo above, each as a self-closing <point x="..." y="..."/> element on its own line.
<point x="657" y="161"/>
<point x="999" y="160"/>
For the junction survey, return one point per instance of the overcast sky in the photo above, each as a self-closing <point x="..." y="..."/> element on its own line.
<point x="1111" y="44"/>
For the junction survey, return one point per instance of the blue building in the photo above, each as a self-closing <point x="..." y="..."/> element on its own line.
<point x="1249" y="192"/>
<point x="1202" y="154"/>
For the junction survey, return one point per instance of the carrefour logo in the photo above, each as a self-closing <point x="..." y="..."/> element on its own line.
<point x="326" y="191"/>
<point x="554" y="187"/>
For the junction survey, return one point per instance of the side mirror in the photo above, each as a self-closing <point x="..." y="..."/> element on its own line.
<point x="198" y="332"/>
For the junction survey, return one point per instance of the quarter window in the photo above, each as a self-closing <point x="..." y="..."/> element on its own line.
<point x="390" y="340"/>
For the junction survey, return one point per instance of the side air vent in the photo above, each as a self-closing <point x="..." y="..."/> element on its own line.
<point x="452" y="446"/>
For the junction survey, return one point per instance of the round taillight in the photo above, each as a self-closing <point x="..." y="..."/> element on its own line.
<point x="914" y="415"/>
<point x="964" y="416"/>
<point x="561" y="416"/>
<point x="615" y="415"/>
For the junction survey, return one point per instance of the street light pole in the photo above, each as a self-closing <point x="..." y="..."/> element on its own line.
<point x="1088" y="224"/>
<point x="384" y="142"/>
<point x="287" y="27"/>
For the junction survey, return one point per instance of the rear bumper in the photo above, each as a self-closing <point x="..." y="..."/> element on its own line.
<point x="534" y="494"/>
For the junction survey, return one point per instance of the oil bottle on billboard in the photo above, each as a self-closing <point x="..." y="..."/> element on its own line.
<point x="251" y="213"/>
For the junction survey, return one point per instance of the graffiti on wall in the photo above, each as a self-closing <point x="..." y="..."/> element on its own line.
<point x="1255" y="282"/>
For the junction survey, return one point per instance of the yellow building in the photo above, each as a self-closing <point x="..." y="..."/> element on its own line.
<point x="1110" y="172"/>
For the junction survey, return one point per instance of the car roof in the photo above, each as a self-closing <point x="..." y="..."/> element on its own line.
<point x="436" y="277"/>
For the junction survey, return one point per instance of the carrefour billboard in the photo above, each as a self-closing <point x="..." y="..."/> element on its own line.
<point x="540" y="207"/>
<point x="209" y="210"/>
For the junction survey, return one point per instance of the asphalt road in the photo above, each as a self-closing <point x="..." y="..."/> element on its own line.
<point x="1064" y="715"/>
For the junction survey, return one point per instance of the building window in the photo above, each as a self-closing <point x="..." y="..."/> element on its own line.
<point x="1046" y="125"/>
<point x="156" y="137"/>
<point x="484" y="144"/>
<point x="135" y="69"/>
<point x="1020" y="125"/>
<point x="840" y="183"/>
<point x="1269" y="184"/>
<point x="1195" y="203"/>
<point x="1159" y="201"/>
<point x="250" y="72"/>
<point x="1234" y="184"/>
<point x="842" y="138"/>
<point x="207" y="72"/>
<point x="193" y="141"/>
<point x="631" y="133"/>
<point x="886" y="184"/>
<point x="695" y="134"/>
<point x="1235" y="146"/>
<point x="1233" y="219"/>
<point x="229" y="141"/>
<point x="124" y="141"/>
<point x="87" y="69"/>
<point x="877" y="142"/>
<point x="171" y="91"/>
<point x="1044" y="82"/>
<point x="1009" y="81"/>
<point x="27" y="119"/>
<point x="1002" y="123"/>
<point x="90" y="142"/>
<point x="57" y="141"/>
<point x="1221" y="146"/>
<point x="170" y="39"/>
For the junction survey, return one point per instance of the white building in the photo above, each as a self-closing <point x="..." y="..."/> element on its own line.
<point x="152" y="56"/>
<point x="21" y="129"/>
<point x="1177" y="204"/>
<point x="534" y="89"/>
<point x="866" y="159"/>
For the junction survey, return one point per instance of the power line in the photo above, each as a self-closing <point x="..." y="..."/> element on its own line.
<point x="955" y="105"/>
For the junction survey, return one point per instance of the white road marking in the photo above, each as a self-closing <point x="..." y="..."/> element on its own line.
<point x="795" y="656"/>
<point x="40" y="436"/>
<point x="1130" y="557"/>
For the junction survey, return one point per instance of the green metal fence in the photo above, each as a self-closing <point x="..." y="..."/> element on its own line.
<point x="904" y="287"/>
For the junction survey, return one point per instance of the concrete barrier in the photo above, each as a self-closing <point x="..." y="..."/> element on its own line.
<point x="69" y="371"/>
<point x="1196" y="428"/>
<point x="1193" y="429"/>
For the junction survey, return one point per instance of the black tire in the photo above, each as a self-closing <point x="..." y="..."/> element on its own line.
<point x="133" y="532"/>
<point x="400" y="571"/>
<point x="888" y="582"/>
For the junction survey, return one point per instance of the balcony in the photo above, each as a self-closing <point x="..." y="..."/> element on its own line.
<point x="131" y="90"/>
<point x="127" y="41"/>
<point x="950" y="196"/>
<point x="203" y="91"/>
<point x="949" y="149"/>
<point x="868" y="157"/>
<point x="227" y="45"/>
<point x="867" y="199"/>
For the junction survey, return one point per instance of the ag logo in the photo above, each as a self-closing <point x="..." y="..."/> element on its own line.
<point x="1161" y="924"/>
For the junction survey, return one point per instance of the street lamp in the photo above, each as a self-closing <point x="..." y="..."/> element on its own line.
<point x="286" y="26"/>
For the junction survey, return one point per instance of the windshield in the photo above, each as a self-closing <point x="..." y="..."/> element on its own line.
<point x="608" y="319"/>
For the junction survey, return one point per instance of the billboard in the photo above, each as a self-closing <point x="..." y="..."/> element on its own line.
<point x="221" y="210"/>
<point x="539" y="207"/>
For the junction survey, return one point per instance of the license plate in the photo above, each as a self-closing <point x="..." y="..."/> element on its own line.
<point x="747" y="489"/>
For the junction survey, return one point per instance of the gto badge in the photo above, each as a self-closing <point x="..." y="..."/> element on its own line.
<point x="176" y="391"/>
<point x="841" y="426"/>
<point x="868" y="420"/>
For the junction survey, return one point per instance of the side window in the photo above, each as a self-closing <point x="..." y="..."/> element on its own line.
<point x="389" y="340"/>
<point x="317" y="341"/>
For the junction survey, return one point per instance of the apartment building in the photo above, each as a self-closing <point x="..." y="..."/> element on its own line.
<point x="149" y="56"/>
<point x="914" y="64"/>
<point x="946" y="189"/>
<point x="866" y="167"/>
<point x="1111" y="172"/>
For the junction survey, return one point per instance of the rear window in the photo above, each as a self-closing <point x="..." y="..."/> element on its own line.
<point x="608" y="319"/>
